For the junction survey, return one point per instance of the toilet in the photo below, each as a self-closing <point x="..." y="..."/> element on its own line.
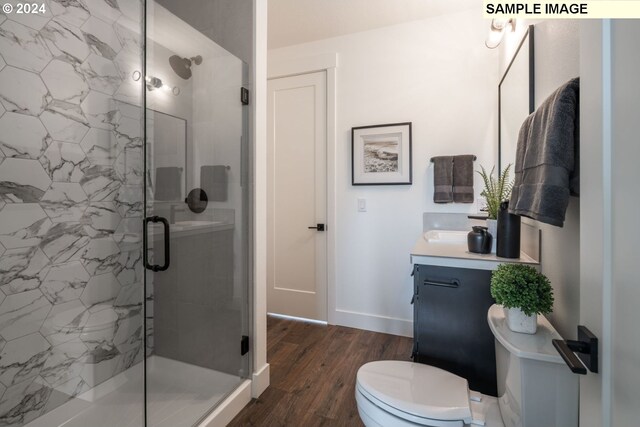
<point x="535" y="387"/>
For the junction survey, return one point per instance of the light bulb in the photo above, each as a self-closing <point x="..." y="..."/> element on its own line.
<point x="498" y="28"/>
<point x="494" y="39"/>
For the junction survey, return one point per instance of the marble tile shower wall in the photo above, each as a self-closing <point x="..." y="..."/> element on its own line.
<point x="70" y="202"/>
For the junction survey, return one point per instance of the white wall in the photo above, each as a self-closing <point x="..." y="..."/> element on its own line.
<point x="557" y="59"/>
<point x="260" y="377"/>
<point x="437" y="74"/>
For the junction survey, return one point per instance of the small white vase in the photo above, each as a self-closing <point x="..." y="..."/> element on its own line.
<point x="520" y="322"/>
<point x="492" y="228"/>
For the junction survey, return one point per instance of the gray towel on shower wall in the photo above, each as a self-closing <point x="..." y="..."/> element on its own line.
<point x="168" y="183"/>
<point x="213" y="180"/>
<point x="463" y="178"/>
<point x="443" y="179"/>
<point x="546" y="170"/>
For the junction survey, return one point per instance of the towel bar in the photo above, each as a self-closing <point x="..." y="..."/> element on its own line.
<point x="474" y="159"/>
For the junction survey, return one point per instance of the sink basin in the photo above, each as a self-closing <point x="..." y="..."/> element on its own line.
<point x="446" y="236"/>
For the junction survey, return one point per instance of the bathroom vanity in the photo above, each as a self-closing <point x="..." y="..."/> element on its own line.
<point x="450" y="330"/>
<point x="451" y="298"/>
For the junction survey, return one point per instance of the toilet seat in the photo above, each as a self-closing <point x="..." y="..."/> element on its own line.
<point x="418" y="393"/>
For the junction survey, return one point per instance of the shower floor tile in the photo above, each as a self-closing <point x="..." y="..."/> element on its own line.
<point x="179" y="395"/>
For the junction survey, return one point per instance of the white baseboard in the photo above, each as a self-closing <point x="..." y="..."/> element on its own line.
<point x="231" y="407"/>
<point x="260" y="381"/>
<point x="372" y="322"/>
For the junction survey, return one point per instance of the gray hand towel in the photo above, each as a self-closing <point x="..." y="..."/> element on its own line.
<point x="213" y="180"/>
<point x="168" y="183"/>
<point x="463" y="178"/>
<point x="443" y="179"/>
<point x="546" y="170"/>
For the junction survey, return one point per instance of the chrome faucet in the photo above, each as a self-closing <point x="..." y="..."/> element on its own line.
<point x="172" y="213"/>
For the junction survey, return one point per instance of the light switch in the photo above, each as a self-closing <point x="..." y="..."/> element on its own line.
<point x="362" y="205"/>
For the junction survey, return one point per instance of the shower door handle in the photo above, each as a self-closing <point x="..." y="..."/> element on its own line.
<point x="167" y="243"/>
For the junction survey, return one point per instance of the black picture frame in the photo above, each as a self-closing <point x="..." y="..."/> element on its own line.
<point x="401" y="135"/>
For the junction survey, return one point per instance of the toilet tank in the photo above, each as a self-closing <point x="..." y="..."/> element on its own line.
<point x="535" y="386"/>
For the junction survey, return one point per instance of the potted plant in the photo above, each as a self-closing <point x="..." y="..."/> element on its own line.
<point x="496" y="191"/>
<point x="524" y="293"/>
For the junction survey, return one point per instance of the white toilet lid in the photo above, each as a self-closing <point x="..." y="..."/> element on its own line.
<point x="416" y="389"/>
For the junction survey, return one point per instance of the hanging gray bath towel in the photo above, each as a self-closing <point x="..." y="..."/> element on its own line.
<point x="443" y="179"/>
<point x="213" y="180"/>
<point x="547" y="158"/>
<point x="168" y="184"/>
<point x="463" y="178"/>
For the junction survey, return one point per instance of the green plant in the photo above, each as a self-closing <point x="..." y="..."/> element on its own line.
<point x="495" y="190"/>
<point x="521" y="286"/>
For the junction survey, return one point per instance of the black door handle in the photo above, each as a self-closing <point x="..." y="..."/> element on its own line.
<point x="569" y="357"/>
<point x="167" y="243"/>
<point x="319" y="227"/>
<point x="587" y="348"/>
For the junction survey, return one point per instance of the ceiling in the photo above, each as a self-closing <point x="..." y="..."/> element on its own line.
<point x="300" y="21"/>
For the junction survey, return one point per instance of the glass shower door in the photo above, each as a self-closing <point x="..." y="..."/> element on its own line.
<point x="196" y="221"/>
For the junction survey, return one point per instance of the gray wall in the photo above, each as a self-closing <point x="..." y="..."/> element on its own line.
<point x="592" y="207"/>
<point x="227" y="22"/>
<point x="557" y="45"/>
<point x="557" y="59"/>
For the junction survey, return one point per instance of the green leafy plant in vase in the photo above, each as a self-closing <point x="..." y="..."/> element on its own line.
<point x="524" y="293"/>
<point x="497" y="189"/>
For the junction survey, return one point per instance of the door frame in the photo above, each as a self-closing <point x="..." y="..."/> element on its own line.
<point x="608" y="147"/>
<point x="311" y="64"/>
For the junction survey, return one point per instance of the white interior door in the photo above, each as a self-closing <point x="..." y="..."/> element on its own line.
<point x="297" y="196"/>
<point x="610" y="210"/>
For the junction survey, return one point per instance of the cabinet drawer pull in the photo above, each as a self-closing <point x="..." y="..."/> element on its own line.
<point x="452" y="284"/>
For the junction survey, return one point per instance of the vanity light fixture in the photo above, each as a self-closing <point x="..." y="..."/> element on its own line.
<point x="155" y="83"/>
<point x="498" y="29"/>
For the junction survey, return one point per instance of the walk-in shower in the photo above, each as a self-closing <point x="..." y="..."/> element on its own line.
<point x="120" y="303"/>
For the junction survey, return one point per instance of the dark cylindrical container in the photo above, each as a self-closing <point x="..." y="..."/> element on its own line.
<point x="479" y="240"/>
<point x="508" y="245"/>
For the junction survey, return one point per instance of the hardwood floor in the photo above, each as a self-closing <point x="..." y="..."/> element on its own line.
<point x="313" y="371"/>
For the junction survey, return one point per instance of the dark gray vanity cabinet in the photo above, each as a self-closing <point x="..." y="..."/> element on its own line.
<point x="450" y="323"/>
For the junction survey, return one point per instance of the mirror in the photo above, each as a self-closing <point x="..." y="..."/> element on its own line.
<point x="169" y="169"/>
<point x="197" y="200"/>
<point x="515" y="100"/>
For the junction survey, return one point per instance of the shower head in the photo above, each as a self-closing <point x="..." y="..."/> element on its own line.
<point x="182" y="66"/>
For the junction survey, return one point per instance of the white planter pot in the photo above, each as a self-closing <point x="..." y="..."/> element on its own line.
<point x="520" y="322"/>
<point x="492" y="228"/>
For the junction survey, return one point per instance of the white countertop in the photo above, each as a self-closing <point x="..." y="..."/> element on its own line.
<point x="452" y="254"/>
<point x="190" y="228"/>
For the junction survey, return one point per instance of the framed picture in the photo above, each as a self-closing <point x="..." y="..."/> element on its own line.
<point x="381" y="154"/>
